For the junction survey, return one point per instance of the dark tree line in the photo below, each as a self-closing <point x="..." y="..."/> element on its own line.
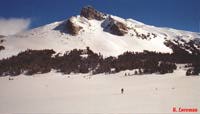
<point x="83" y="61"/>
<point x="74" y="62"/>
<point x="28" y="62"/>
<point x="194" y="68"/>
<point x="180" y="55"/>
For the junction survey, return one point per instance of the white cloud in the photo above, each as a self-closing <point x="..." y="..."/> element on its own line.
<point x="12" y="26"/>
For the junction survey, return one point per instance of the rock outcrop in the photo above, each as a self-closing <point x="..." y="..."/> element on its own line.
<point x="90" y="13"/>
<point x="112" y="25"/>
<point x="116" y="27"/>
<point x="1" y="36"/>
<point x="2" y="48"/>
<point x="72" y="28"/>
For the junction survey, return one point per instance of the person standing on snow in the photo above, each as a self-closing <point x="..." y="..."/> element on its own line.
<point x="122" y="90"/>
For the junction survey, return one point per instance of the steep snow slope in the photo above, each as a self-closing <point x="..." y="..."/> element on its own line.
<point x="94" y="36"/>
<point x="82" y="93"/>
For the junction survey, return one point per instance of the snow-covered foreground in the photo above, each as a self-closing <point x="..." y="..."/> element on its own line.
<point x="56" y="93"/>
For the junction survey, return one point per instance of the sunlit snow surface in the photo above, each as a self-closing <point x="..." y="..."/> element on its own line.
<point x="83" y="93"/>
<point x="92" y="35"/>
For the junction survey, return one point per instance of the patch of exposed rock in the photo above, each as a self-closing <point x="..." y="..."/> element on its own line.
<point x="116" y="27"/>
<point x="1" y="36"/>
<point x="90" y="13"/>
<point x="2" y="48"/>
<point x="1" y="41"/>
<point x="72" y="28"/>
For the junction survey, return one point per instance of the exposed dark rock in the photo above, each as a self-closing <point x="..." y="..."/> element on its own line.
<point x="72" y="28"/>
<point x="115" y="27"/>
<point x="1" y="41"/>
<point x="1" y="36"/>
<point x="90" y="13"/>
<point x="2" y="48"/>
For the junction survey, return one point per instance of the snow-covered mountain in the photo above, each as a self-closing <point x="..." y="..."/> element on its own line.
<point x="110" y="35"/>
<point x="82" y="81"/>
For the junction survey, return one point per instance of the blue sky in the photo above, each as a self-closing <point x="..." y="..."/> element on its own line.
<point x="179" y="14"/>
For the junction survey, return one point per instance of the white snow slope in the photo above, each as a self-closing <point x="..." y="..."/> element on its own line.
<point x="56" y="93"/>
<point x="93" y="36"/>
<point x="84" y="94"/>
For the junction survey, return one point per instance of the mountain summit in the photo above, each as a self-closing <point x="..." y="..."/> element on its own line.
<point x="103" y="33"/>
<point x="91" y="13"/>
<point x="99" y="43"/>
<point x="109" y="24"/>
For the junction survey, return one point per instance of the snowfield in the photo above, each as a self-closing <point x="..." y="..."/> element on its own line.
<point x="84" y="93"/>
<point x="94" y="36"/>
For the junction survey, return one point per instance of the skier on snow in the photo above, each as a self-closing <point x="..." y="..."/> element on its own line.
<point x="122" y="90"/>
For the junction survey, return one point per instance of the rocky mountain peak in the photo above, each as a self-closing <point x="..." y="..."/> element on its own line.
<point x="91" y="13"/>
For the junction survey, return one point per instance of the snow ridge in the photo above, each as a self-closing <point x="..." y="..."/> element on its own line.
<point x="139" y="37"/>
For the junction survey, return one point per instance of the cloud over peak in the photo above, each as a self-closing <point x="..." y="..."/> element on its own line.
<point x="13" y="26"/>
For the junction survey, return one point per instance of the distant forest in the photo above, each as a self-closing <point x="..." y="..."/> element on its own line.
<point x="32" y="62"/>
